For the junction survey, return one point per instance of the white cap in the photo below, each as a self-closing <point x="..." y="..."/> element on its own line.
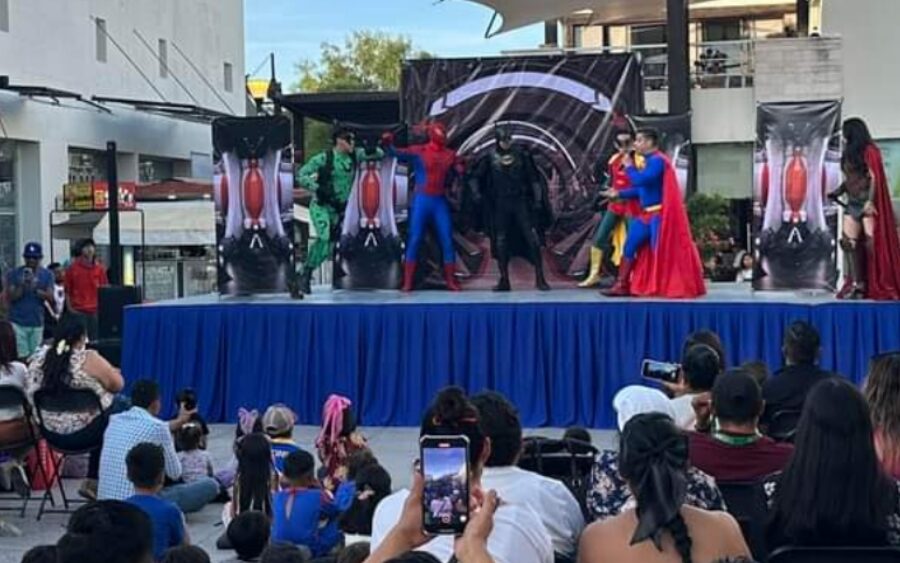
<point x="637" y="399"/>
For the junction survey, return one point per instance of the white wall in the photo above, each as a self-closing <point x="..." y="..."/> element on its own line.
<point x="720" y="115"/>
<point x="53" y="43"/>
<point x="869" y="29"/>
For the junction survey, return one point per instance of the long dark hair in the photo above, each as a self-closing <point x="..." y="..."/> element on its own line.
<point x="883" y="395"/>
<point x="8" y="351"/>
<point x="833" y="490"/>
<point x="56" y="368"/>
<point x="254" y="474"/>
<point x="373" y="484"/>
<point x="857" y="137"/>
<point x="653" y="458"/>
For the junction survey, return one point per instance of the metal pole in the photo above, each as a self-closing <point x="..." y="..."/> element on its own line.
<point x="678" y="67"/>
<point x="112" y="196"/>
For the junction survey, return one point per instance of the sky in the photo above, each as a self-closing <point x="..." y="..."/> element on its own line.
<point x="295" y="29"/>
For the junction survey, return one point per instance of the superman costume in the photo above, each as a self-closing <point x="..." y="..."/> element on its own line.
<point x="435" y="168"/>
<point x="660" y="257"/>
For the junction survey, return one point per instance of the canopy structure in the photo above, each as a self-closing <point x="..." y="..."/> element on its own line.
<point x="363" y="108"/>
<point x="520" y="13"/>
<point x="176" y="223"/>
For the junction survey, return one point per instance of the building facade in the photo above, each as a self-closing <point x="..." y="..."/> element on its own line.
<point x="73" y="75"/>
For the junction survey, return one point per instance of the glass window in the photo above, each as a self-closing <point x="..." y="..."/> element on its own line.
<point x="86" y="165"/>
<point x="155" y="169"/>
<point x="100" y="39"/>
<point x="229" y="77"/>
<point x="578" y="36"/>
<point x="163" y="58"/>
<point x="8" y="219"/>
<point x="725" y="169"/>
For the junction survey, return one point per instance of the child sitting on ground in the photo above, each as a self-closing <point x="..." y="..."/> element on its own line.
<point x="196" y="463"/>
<point x="146" y="470"/>
<point x="346" y="491"/>
<point x="304" y="514"/>
<point x="338" y="439"/>
<point x="373" y="484"/>
<point x="278" y="424"/>
<point x="249" y="534"/>
<point x="255" y="481"/>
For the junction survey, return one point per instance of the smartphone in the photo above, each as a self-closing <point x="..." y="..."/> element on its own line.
<point x="445" y="470"/>
<point x="660" y="371"/>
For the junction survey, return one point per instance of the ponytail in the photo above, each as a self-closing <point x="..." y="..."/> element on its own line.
<point x="453" y="413"/>
<point x="683" y="543"/>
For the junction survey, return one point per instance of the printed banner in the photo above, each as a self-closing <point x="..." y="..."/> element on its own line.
<point x="253" y="190"/>
<point x="797" y="164"/>
<point x="560" y="109"/>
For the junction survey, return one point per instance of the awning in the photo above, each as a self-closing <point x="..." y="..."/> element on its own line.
<point x="363" y="108"/>
<point x="176" y="223"/>
<point x="187" y="112"/>
<point x="520" y="13"/>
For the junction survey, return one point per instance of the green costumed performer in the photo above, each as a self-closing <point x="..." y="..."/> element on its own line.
<point x="329" y="176"/>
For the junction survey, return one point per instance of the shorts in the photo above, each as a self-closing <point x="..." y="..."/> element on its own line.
<point x="28" y="339"/>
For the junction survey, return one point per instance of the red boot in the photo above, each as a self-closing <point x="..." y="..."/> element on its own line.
<point x="622" y="288"/>
<point x="409" y="276"/>
<point x="450" y="278"/>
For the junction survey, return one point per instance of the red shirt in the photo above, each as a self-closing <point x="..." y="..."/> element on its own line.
<point x="83" y="279"/>
<point x="729" y="463"/>
<point x="620" y="181"/>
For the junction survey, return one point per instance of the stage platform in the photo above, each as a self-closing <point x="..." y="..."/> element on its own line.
<point x="561" y="356"/>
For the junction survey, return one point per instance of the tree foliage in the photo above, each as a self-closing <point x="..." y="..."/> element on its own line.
<point x="368" y="60"/>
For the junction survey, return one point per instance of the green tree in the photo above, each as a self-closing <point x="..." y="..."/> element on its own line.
<point x="368" y="60"/>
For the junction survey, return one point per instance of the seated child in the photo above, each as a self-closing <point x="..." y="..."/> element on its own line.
<point x="346" y="491"/>
<point x="146" y="470"/>
<point x="338" y="438"/>
<point x="196" y="463"/>
<point x="303" y="513"/>
<point x="373" y="484"/>
<point x="249" y="534"/>
<point x="278" y="424"/>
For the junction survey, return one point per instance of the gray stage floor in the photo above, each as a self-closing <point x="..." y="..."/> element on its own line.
<point x="395" y="448"/>
<point x="718" y="293"/>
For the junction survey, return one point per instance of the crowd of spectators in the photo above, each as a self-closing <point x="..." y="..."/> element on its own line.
<point x="822" y="453"/>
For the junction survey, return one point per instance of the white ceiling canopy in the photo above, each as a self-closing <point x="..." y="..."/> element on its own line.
<point x="520" y="13"/>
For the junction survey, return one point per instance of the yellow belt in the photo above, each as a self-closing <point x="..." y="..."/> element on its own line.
<point x="653" y="208"/>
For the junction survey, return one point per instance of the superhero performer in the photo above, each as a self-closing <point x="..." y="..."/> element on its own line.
<point x="435" y="167"/>
<point x="329" y="175"/>
<point x="507" y="182"/>
<point x="618" y="211"/>
<point x="870" y="242"/>
<point x="660" y="257"/>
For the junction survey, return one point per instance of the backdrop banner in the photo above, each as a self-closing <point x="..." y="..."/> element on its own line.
<point x="675" y="141"/>
<point x="253" y="190"/>
<point x="561" y="109"/>
<point x="797" y="164"/>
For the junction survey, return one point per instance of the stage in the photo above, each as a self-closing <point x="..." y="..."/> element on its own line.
<point x="560" y="356"/>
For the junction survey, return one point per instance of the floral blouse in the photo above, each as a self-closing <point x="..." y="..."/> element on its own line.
<point x="608" y="494"/>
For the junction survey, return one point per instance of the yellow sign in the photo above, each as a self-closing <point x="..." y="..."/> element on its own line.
<point x="78" y="196"/>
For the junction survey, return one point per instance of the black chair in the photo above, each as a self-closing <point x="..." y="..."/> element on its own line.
<point x="835" y="555"/>
<point x="568" y="461"/>
<point x="783" y="426"/>
<point x="746" y="501"/>
<point x="13" y="398"/>
<point x="70" y="401"/>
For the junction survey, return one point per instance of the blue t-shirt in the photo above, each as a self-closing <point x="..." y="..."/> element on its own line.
<point x="28" y="310"/>
<point x="168" y="523"/>
<point x="281" y="448"/>
<point x="343" y="497"/>
<point x="312" y="521"/>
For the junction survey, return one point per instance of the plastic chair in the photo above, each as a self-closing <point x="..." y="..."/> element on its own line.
<point x="746" y="501"/>
<point x="568" y="461"/>
<point x="835" y="555"/>
<point x="70" y="401"/>
<point x="13" y="398"/>
<point x="783" y="425"/>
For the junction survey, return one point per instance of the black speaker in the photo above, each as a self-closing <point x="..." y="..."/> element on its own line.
<point x="112" y="301"/>
<point x="110" y="349"/>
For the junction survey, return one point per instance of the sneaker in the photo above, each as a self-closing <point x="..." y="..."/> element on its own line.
<point x="88" y="489"/>
<point x="19" y="481"/>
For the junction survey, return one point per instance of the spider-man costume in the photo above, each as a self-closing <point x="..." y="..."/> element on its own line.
<point x="435" y="168"/>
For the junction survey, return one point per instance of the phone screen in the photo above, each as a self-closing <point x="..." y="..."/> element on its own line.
<point x="660" y="371"/>
<point x="445" y="469"/>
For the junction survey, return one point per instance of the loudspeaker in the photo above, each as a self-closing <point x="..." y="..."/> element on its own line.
<point x="112" y="301"/>
<point x="110" y="349"/>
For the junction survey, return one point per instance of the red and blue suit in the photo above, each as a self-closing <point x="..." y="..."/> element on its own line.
<point x="660" y="257"/>
<point x="435" y="167"/>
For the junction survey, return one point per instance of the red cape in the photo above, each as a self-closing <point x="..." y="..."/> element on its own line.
<point x="883" y="264"/>
<point x="674" y="270"/>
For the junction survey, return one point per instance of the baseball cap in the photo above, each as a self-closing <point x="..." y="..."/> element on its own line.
<point x="33" y="250"/>
<point x="278" y="420"/>
<point x="637" y="399"/>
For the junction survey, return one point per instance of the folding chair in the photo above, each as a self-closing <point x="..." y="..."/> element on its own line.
<point x="835" y="555"/>
<point x="69" y="401"/>
<point x="13" y="398"/>
<point x="783" y="425"/>
<point x="746" y="501"/>
<point x="568" y="461"/>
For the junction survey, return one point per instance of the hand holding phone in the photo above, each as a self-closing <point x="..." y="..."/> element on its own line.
<point x="445" y="497"/>
<point x="666" y="372"/>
